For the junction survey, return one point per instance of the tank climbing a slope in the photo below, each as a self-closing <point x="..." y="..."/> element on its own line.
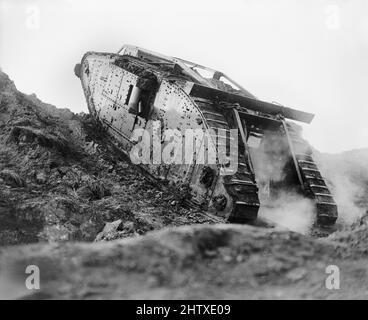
<point x="243" y="152"/>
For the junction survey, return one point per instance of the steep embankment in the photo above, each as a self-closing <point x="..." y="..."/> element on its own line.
<point x="60" y="179"/>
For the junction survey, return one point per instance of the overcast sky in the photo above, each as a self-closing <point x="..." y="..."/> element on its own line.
<point x="311" y="55"/>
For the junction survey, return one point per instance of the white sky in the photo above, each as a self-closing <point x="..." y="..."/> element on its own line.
<point x="311" y="55"/>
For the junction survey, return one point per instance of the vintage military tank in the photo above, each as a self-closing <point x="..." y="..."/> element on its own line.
<point x="149" y="100"/>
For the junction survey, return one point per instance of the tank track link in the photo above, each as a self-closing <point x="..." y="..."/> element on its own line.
<point x="241" y="186"/>
<point x="314" y="183"/>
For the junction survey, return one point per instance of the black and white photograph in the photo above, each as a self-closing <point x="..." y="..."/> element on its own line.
<point x="199" y="152"/>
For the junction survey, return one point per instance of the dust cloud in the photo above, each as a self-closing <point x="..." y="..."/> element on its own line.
<point x="347" y="176"/>
<point x="278" y="191"/>
<point x="291" y="211"/>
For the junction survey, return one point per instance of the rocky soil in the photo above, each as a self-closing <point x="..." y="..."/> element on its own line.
<point x="61" y="179"/>
<point x="66" y="191"/>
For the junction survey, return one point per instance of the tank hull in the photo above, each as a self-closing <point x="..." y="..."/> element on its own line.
<point x="179" y="135"/>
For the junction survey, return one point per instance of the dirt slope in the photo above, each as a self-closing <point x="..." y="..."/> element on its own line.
<point x="221" y="261"/>
<point x="60" y="179"/>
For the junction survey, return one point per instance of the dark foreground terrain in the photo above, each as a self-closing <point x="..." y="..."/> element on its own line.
<point x="66" y="191"/>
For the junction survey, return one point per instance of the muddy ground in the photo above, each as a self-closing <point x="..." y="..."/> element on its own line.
<point x="73" y="205"/>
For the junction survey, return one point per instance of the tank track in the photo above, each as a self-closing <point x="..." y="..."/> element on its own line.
<point x="314" y="183"/>
<point x="241" y="186"/>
